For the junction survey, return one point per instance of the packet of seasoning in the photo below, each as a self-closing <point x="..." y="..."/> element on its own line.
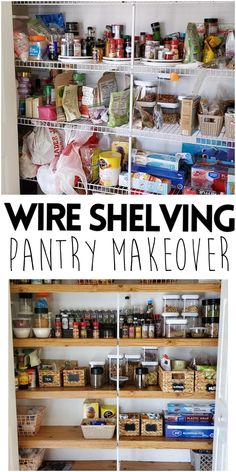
<point x="106" y="86"/>
<point x="70" y="102"/>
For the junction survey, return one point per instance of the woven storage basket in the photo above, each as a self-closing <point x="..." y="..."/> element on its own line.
<point x="50" y="378"/>
<point x="29" y="419"/>
<point x="210" y="125"/>
<point x="201" y="460"/>
<point x="75" y="377"/>
<point x="205" y="381"/>
<point x="131" y="425"/>
<point x="230" y="125"/>
<point x="151" y="427"/>
<point x="98" y="432"/>
<point x="176" y="380"/>
<point x="31" y="461"/>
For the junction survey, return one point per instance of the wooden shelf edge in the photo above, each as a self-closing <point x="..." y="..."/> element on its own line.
<point x="161" y="287"/>
<point x="170" y="342"/>
<point x="163" y="443"/>
<point x="158" y="393"/>
<point x="66" y="392"/>
<point x="103" y="465"/>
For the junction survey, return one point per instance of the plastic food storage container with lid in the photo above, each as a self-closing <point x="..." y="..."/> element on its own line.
<point x="113" y="359"/>
<point x="22" y="326"/>
<point x="132" y="361"/>
<point x="212" y="326"/>
<point x="171" y="304"/>
<point x="165" y="316"/>
<point x="211" y="307"/>
<point x="140" y="377"/>
<point x="149" y="354"/>
<point x="42" y="323"/>
<point x="190" y="304"/>
<point x="147" y="92"/>
<point x="25" y="303"/>
<point x="151" y="378"/>
<point x="193" y="320"/>
<point x="176" y="328"/>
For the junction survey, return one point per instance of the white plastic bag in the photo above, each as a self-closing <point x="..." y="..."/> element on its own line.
<point x="45" y="145"/>
<point x="61" y="179"/>
<point x="28" y="170"/>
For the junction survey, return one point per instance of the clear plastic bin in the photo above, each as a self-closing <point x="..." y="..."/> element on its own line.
<point x="112" y="359"/>
<point x="171" y="304"/>
<point x="176" y="328"/>
<point x="22" y="326"/>
<point x="149" y="354"/>
<point x="193" y="319"/>
<point x="166" y="316"/>
<point x="131" y="362"/>
<point x="190" y="304"/>
<point x="152" y="377"/>
<point x="211" y="308"/>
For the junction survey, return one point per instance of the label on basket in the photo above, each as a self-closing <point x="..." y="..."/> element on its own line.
<point x="48" y="378"/>
<point x="130" y="427"/>
<point x="211" y="387"/>
<point x="73" y="377"/>
<point x="178" y="386"/>
<point x="151" y="427"/>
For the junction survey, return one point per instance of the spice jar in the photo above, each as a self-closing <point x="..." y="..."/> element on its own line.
<point x="113" y="359"/>
<point x="120" y="48"/>
<point x="76" y="329"/>
<point x="144" y="330"/>
<point x="138" y="331"/>
<point x="131" y="331"/>
<point x="112" y="47"/>
<point x="83" y="330"/>
<point x="158" y="326"/>
<point x="128" y="46"/>
<point x="190" y="303"/>
<point x="23" y="378"/>
<point x="77" y="47"/>
<point x="171" y="304"/>
<point x="96" y="377"/>
<point x="175" y="48"/>
<point x="125" y="330"/>
<point x="132" y="361"/>
<point x="136" y="46"/>
<point x="95" y="329"/>
<point x="140" y="377"/>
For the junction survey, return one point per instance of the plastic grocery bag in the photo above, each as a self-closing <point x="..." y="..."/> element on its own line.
<point x="60" y="180"/>
<point x="28" y="170"/>
<point x="45" y="145"/>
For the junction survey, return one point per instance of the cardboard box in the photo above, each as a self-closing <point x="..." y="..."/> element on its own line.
<point x="230" y="182"/>
<point x="108" y="411"/>
<point x="189" y="431"/>
<point x="146" y="183"/>
<point x="191" y="408"/>
<point x="91" y="409"/>
<point x="189" y="118"/>
<point x="204" y="175"/>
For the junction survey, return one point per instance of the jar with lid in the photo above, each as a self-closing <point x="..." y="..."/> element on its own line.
<point x="23" y="378"/>
<point x="102" y="364"/>
<point x="37" y="47"/>
<point x="58" y="327"/>
<point x="144" y="329"/>
<point x="32" y="378"/>
<point x="96" y="377"/>
<point x="69" y="37"/>
<point x="25" y="303"/>
<point x="193" y="320"/>
<point x="125" y="330"/>
<point x="212" y="326"/>
<point x="167" y="43"/>
<point x="161" y="53"/>
<point x="175" y="49"/>
<point x="76" y="329"/>
<point x="149" y="354"/>
<point x="158" y="326"/>
<point x="77" y="47"/>
<point x="63" y="47"/>
<point x="22" y="326"/>
<point x="142" y="43"/>
<point x="112" y="48"/>
<point x="96" y="330"/>
<point x="165" y="316"/>
<point x="137" y="46"/>
<point x="176" y="328"/>
<point x="152" y="375"/>
<point x="140" y="377"/>
<point x="120" y="48"/>
<point x="138" y="331"/>
<point x="171" y="304"/>
<point x="127" y="46"/>
<point x="113" y="359"/>
<point x="132" y="361"/>
<point x="190" y="304"/>
<point x="131" y="330"/>
<point x="151" y="330"/>
<point x="150" y="49"/>
<point x="211" y="307"/>
<point x="211" y="26"/>
<point x="42" y="323"/>
<point x="83" y="330"/>
<point x="41" y="300"/>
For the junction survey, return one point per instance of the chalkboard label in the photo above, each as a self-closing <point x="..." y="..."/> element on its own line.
<point x="211" y="387"/>
<point x="73" y="377"/>
<point x="151" y="427"/>
<point x="48" y="378"/>
<point x="177" y="387"/>
<point x="130" y="427"/>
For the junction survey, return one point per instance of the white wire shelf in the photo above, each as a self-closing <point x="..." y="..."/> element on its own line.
<point x="167" y="132"/>
<point x="137" y="68"/>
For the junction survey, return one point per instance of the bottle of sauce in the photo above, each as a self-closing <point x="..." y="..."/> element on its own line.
<point x="23" y="378"/>
<point x="90" y="41"/>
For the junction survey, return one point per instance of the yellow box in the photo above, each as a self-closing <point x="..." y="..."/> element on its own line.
<point x="91" y="409"/>
<point x="108" y="411"/>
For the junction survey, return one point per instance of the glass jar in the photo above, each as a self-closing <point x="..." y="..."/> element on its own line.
<point x="158" y="326"/>
<point x="112" y="48"/>
<point x="175" y="49"/>
<point x="131" y="331"/>
<point x="77" y="47"/>
<point x="212" y="326"/>
<point x="150" y="49"/>
<point x="176" y="328"/>
<point x="96" y="377"/>
<point x="211" y="307"/>
<point x="25" y="303"/>
<point x="140" y="377"/>
<point x="190" y="304"/>
<point x="211" y="26"/>
<point x="136" y="46"/>
<point x="83" y="330"/>
<point x="161" y="53"/>
<point x="147" y="90"/>
<point x="138" y="331"/>
<point x="149" y="354"/>
<point x="193" y="320"/>
<point x="42" y="323"/>
<point x="128" y="46"/>
<point x="112" y="359"/>
<point x="151" y="330"/>
<point x="120" y="48"/>
<point x="41" y="300"/>
<point x="142" y="43"/>
<point x="132" y="361"/>
<point x="166" y="316"/>
<point x="144" y="330"/>
<point x="22" y="326"/>
<point x="171" y="304"/>
<point x="152" y="375"/>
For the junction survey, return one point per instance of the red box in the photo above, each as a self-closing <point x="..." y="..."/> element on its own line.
<point x="205" y="175"/>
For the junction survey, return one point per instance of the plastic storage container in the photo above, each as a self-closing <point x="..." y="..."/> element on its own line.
<point x="22" y="326"/>
<point x="176" y="328"/>
<point x="193" y="320"/>
<point x="171" y="304"/>
<point x="148" y="92"/>
<point x="25" y="303"/>
<point x="190" y="304"/>
<point x="37" y="47"/>
<point x="42" y="323"/>
<point x="170" y="115"/>
<point x="140" y="377"/>
<point x="149" y="354"/>
<point x="166" y="316"/>
<point x="132" y="361"/>
<point x="113" y="358"/>
<point x="211" y="308"/>
<point x="212" y="326"/>
<point x="152" y="375"/>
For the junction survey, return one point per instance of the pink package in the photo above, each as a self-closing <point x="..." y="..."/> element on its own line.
<point x="47" y="112"/>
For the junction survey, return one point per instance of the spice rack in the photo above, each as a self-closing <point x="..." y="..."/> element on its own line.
<point x="57" y="437"/>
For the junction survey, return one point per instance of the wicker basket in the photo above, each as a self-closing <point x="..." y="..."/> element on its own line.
<point x="210" y="125"/>
<point x="176" y="380"/>
<point x="230" y="125"/>
<point x="76" y="377"/>
<point x="29" y="419"/>
<point x="130" y="426"/>
<point x="98" y="432"/>
<point x="31" y="461"/>
<point x="50" y="378"/>
<point x="201" y="460"/>
<point x="205" y="381"/>
<point x="151" y="427"/>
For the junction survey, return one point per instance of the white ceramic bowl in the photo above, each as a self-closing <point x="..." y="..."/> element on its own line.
<point x="42" y="332"/>
<point x="21" y="332"/>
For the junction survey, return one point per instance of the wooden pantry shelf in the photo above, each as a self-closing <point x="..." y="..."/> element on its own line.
<point x="63" y="342"/>
<point x="176" y="287"/>
<point x="142" y="442"/>
<point x="170" y="342"/>
<point x="130" y="465"/>
<point x="61" y="437"/>
<point x="156" y="392"/>
<point x="66" y="392"/>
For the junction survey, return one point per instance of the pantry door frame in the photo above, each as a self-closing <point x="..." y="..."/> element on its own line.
<point x="220" y="448"/>
<point x="13" y="458"/>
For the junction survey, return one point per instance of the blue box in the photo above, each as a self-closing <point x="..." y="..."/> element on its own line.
<point x="188" y="431"/>
<point x="179" y="408"/>
<point x="177" y="178"/>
